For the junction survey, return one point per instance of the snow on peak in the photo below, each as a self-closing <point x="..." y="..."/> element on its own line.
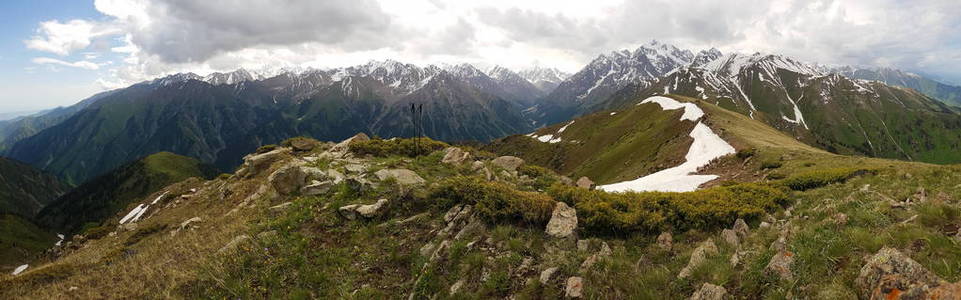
<point x="238" y="76"/>
<point x="733" y="64"/>
<point x="540" y="74"/>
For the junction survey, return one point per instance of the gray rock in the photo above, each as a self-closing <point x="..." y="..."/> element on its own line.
<point x="234" y="243"/>
<point x="288" y="179"/>
<point x="780" y="266"/>
<point x="547" y="275"/>
<point x="349" y="211"/>
<point x="764" y="225"/>
<point x="303" y="144"/>
<point x="266" y="235"/>
<point x="356" y="168"/>
<point x="741" y="228"/>
<point x="888" y="270"/>
<point x="317" y="188"/>
<point x="254" y="164"/>
<point x="566" y="180"/>
<point x="509" y="163"/>
<point x="276" y="209"/>
<point x="337" y="176"/>
<point x="698" y="257"/>
<point x="186" y="224"/>
<point x="340" y="149"/>
<point x="372" y="210"/>
<point x="476" y="165"/>
<point x="574" y="287"/>
<point x="585" y="183"/>
<point x="563" y="221"/>
<point x="665" y="241"/>
<point x="710" y="292"/>
<point x="455" y="155"/>
<point x="402" y="176"/>
<point x="730" y="237"/>
<point x="456" y="287"/>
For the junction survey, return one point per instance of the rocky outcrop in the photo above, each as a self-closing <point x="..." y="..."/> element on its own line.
<point x="780" y="266"/>
<point x="698" y="257"/>
<point x="709" y="292"/>
<point x="455" y="155"/>
<point x="741" y="228"/>
<point x="317" y="188"/>
<point x="547" y="275"/>
<point x="402" y="176"/>
<point x="255" y="164"/>
<point x="889" y="273"/>
<point x="509" y="163"/>
<point x="730" y="237"/>
<point x="584" y="183"/>
<point x="341" y="149"/>
<point x="563" y="221"/>
<point x="288" y="179"/>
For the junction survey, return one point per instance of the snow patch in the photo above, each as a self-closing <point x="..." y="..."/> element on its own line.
<point x="706" y="147"/>
<point x="135" y="212"/>
<point x="158" y="198"/>
<point x="19" y="270"/>
<point x="691" y="111"/>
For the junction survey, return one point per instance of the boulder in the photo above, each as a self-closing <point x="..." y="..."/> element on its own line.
<point x="349" y="211"/>
<point x="665" y="241"/>
<point x="509" y="163"/>
<point x="585" y="183"/>
<point x="340" y="149"/>
<point x="730" y="237"/>
<point x="186" y="224"/>
<point x="709" y="292"/>
<point x="288" y="179"/>
<point x="402" y="176"/>
<point x="890" y="273"/>
<point x="455" y="155"/>
<point x="336" y="176"/>
<point x="372" y="210"/>
<point x="780" y="266"/>
<point x="279" y="208"/>
<point x="563" y="221"/>
<point x="254" y="164"/>
<point x="303" y="144"/>
<point x="566" y="180"/>
<point x="317" y="188"/>
<point x="476" y="165"/>
<point x="547" y="275"/>
<point x="574" y="287"/>
<point x="741" y="228"/>
<point x="356" y="168"/>
<point x="698" y="257"/>
<point x="764" y="225"/>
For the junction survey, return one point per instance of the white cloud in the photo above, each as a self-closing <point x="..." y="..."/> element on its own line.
<point x="151" y="38"/>
<point x="83" y="64"/>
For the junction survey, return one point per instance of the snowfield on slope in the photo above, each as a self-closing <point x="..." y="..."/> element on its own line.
<point x="706" y="147"/>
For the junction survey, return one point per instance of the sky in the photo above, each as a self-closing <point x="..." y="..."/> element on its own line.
<point x="55" y="53"/>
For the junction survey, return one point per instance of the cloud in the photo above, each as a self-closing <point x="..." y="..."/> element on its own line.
<point x="64" y="38"/>
<point x="83" y="64"/>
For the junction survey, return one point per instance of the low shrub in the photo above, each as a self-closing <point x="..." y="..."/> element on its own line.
<point x="495" y="201"/>
<point x="771" y="164"/>
<point x="619" y="213"/>
<point x="266" y="148"/>
<point x="746" y="153"/>
<point x="815" y="179"/>
<point x="95" y="233"/>
<point x="411" y="147"/>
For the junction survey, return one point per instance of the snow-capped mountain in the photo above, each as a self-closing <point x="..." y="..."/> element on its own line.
<point x="947" y="93"/>
<point x="545" y="79"/>
<point x="515" y="84"/>
<point x="238" y="76"/>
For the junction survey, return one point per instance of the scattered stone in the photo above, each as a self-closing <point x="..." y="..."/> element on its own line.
<point x="356" y="168"/>
<point x="920" y="195"/>
<point x="585" y="183"/>
<point x="402" y="176"/>
<point x="764" y="225"/>
<point x="741" y="228"/>
<point x="341" y="149"/>
<point x="566" y="180"/>
<point x="317" y="188"/>
<point x="908" y="220"/>
<point x="186" y="224"/>
<point x="665" y="241"/>
<point x="288" y="179"/>
<point x="456" y="287"/>
<point x="488" y="175"/>
<point x="279" y="207"/>
<point x="889" y="274"/>
<point x="605" y="250"/>
<point x="509" y="163"/>
<point x="589" y="262"/>
<point x="574" y="288"/>
<point x="780" y="265"/>
<point x="840" y="219"/>
<point x="455" y="155"/>
<point x="730" y="237"/>
<point x="475" y="225"/>
<point x="72" y="288"/>
<point x="303" y="144"/>
<point x="254" y="164"/>
<point x="698" y="257"/>
<point x="455" y="212"/>
<point x="349" y="211"/>
<point x="476" y="165"/>
<point x="709" y="292"/>
<point x="563" y="221"/>
<point x="547" y="275"/>
<point x="735" y="259"/>
<point x="779" y="245"/>
<point x="234" y="243"/>
<point x="371" y="210"/>
<point x="336" y="175"/>
<point x="506" y="175"/>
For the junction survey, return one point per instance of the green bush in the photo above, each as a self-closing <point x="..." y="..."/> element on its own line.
<point x="95" y="233"/>
<point x="619" y="213"/>
<point x="745" y="153"/>
<point x="494" y="200"/>
<point x="815" y="179"/>
<point x="411" y="147"/>
<point x="771" y="164"/>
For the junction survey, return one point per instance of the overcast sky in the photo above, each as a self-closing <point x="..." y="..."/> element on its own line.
<point x="56" y="53"/>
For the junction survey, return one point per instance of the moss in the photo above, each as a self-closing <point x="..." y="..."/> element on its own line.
<point x="770" y="164"/>
<point x="266" y="148"/>
<point x="494" y="200"/>
<point x="819" y="178"/>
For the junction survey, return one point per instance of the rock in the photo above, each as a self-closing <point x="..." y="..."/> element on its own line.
<point x="698" y="257"/>
<point x="605" y="250"/>
<point x="889" y="272"/>
<point x="780" y="266"/>
<point x="288" y="179"/>
<point x="254" y="164"/>
<point x="509" y="163"/>
<point x="337" y="176"/>
<point x="476" y="165"/>
<point x="456" y="287"/>
<point x="303" y="144"/>
<point x="840" y="219"/>
<point x="574" y="287"/>
<point x="589" y="262"/>
<point x="458" y="211"/>
<point x="455" y="155"/>
<point x="709" y="292"/>
<point x="585" y="183"/>
<point x="665" y="241"/>
<point x="764" y="225"/>
<point x="547" y="275"/>
<point x="234" y="243"/>
<point x="563" y="221"/>
<point x="920" y="195"/>
<point x="276" y="209"/>
<point x="583" y="245"/>
<point x="349" y="211"/>
<point x="488" y="175"/>
<point x="402" y="176"/>
<point x="356" y="168"/>
<point x="475" y="225"/>
<point x="566" y="180"/>
<point x="741" y="228"/>
<point x="340" y="149"/>
<point x="186" y="224"/>
<point x="735" y="259"/>
<point x="317" y="188"/>
<point x="730" y="237"/>
<point x="946" y="291"/>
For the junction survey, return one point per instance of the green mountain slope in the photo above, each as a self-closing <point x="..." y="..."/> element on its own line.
<point x="24" y="190"/>
<point x="104" y="196"/>
<point x="20" y="240"/>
